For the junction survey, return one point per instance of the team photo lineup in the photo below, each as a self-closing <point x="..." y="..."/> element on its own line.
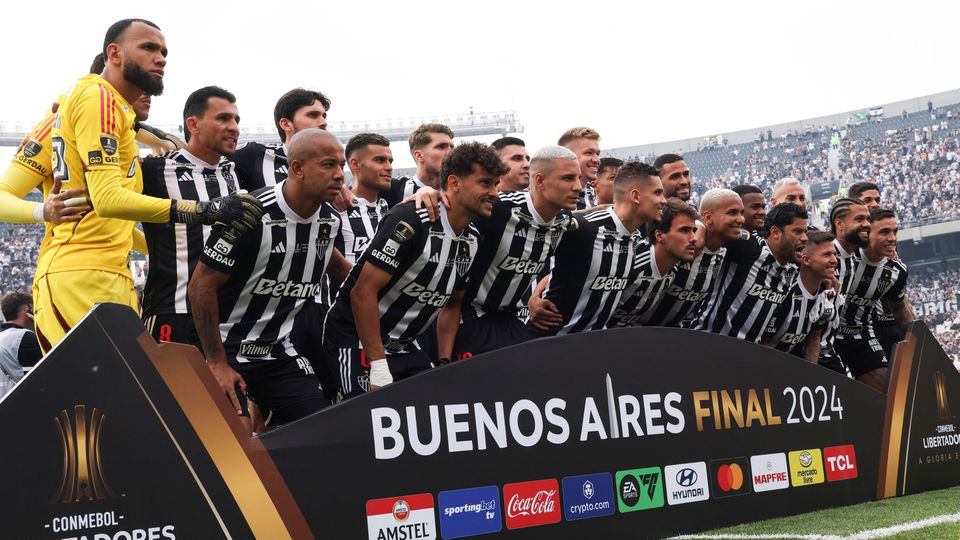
<point x="302" y="289"/>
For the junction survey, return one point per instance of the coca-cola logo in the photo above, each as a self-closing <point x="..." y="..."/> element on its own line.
<point x="529" y="504"/>
<point x="543" y="502"/>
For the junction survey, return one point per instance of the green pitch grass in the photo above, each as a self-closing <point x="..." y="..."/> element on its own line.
<point x="850" y="520"/>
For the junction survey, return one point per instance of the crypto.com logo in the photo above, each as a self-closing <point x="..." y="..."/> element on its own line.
<point x="82" y="478"/>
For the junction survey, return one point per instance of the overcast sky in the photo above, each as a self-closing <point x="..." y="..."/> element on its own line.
<point x="638" y="72"/>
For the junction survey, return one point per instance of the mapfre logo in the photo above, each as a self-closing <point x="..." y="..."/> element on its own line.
<point x="529" y="504"/>
<point x="82" y="478"/>
<point x="769" y="472"/>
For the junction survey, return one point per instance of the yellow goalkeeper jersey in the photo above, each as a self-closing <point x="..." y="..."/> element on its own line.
<point x="93" y="145"/>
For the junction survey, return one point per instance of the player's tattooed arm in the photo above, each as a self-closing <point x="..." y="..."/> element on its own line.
<point x="902" y="312"/>
<point x="202" y="292"/>
<point x="811" y="347"/>
<point x="339" y="266"/>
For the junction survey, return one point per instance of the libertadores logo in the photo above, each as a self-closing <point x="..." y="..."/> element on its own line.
<point x="769" y="472"/>
<point x="940" y="392"/>
<point x="82" y="478"/>
<point x="529" y="504"/>
<point x="730" y="477"/>
<point x="409" y="516"/>
<point x="686" y="483"/>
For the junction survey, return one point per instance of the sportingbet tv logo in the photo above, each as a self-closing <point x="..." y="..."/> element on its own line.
<point x="80" y="435"/>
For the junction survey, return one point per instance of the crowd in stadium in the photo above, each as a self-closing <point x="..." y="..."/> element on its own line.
<point x="301" y="291"/>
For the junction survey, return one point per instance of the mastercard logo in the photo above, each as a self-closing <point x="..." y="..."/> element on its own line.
<point x="730" y="477"/>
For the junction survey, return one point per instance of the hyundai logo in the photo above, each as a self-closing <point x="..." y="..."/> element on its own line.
<point x="687" y="477"/>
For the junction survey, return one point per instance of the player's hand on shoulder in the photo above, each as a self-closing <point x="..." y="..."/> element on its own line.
<point x="429" y="198"/>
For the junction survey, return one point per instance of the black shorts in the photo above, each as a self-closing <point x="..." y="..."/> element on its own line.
<point x="285" y="389"/>
<point x="860" y="353"/>
<point x="831" y="360"/>
<point x="173" y="328"/>
<point x="307" y="338"/>
<point x="354" y="367"/>
<point x="488" y="332"/>
<point x="889" y="335"/>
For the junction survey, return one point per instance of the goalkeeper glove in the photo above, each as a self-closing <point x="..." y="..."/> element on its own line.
<point x="239" y="211"/>
<point x="158" y="140"/>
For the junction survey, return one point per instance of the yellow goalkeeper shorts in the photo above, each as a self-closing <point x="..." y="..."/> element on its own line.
<point x="61" y="299"/>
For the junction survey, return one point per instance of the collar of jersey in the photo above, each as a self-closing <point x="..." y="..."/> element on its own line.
<point x="616" y="219"/>
<point x="446" y="223"/>
<point x="843" y="253"/>
<point x="125" y="106"/>
<point x="867" y="260"/>
<point x="533" y="211"/>
<point x="287" y="211"/>
<point x="653" y="263"/>
<point x="417" y="181"/>
<point x="197" y="161"/>
<point x="803" y="290"/>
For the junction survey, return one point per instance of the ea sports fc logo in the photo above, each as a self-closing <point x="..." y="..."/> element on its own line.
<point x="80" y="435"/>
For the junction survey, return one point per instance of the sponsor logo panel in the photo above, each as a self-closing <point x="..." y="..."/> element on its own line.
<point x="528" y="504"/>
<point x="469" y="512"/>
<point x="840" y="462"/>
<point x="769" y="472"/>
<point x="588" y="496"/>
<point x="686" y="483"/>
<point x="639" y="489"/>
<point x="806" y="467"/>
<point x="730" y="477"/>
<point x="407" y="517"/>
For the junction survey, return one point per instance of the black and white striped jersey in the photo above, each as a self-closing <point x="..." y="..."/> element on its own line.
<point x="686" y="294"/>
<point x="400" y="189"/>
<point x="846" y="263"/>
<point x="591" y="269"/>
<point x="175" y="248"/>
<point x="517" y="243"/>
<point x="260" y="165"/>
<point x="359" y="225"/>
<point x="646" y="287"/>
<point x="750" y="286"/>
<point x="883" y="314"/>
<point x="793" y="321"/>
<point x="587" y="198"/>
<point x="869" y="283"/>
<point x="273" y="269"/>
<point x="427" y="260"/>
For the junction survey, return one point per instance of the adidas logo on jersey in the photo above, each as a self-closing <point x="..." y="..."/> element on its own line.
<point x="521" y="233"/>
<point x="435" y="258"/>
<point x="185" y="177"/>
<point x="279" y="248"/>
<point x="281" y="170"/>
<point x="354" y="213"/>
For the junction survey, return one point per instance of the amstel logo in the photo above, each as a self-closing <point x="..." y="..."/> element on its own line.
<point x="82" y="478"/>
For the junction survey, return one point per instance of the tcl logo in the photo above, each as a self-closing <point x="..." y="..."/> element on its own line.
<point x="841" y="462"/>
<point x="532" y="503"/>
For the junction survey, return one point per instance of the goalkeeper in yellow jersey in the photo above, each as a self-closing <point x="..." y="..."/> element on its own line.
<point x="93" y="146"/>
